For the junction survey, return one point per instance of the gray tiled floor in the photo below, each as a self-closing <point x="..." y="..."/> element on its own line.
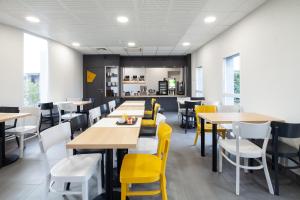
<point x="189" y="175"/>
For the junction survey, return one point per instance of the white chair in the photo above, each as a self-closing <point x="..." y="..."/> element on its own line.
<point x="68" y="107"/>
<point x="27" y="128"/>
<point x="112" y="105"/>
<point x="180" y="102"/>
<point x="94" y="115"/>
<point x="148" y="145"/>
<point x="229" y="109"/>
<point x="241" y="147"/>
<point x="71" y="169"/>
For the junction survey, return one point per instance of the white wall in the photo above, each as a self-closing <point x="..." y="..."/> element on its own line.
<point x="65" y="69"/>
<point x="65" y="72"/>
<point x="268" y="41"/>
<point x="11" y="66"/>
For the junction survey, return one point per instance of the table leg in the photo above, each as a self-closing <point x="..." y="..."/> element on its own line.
<point x="109" y="194"/>
<point x="78" y="109"/>
<point x="214" y="147"/>
<point x="4" y="161"/>
<point x="202" y="134"/>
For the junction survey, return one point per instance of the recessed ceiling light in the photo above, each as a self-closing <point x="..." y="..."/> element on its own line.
<point x="75" y="44"/>
<point x="210" y="19"/>
<point x="185" y="44"/>
<point x="131" y="44"/>
<point x="122" y="19"/>
<point x="32" y="19"/>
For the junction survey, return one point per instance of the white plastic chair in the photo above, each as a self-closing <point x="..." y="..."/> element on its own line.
<point x="241" y="147"/>
<point x="112" y="105"/>
<point x="78" y="168"/>
<point x="67" y="107"/>
<point x="94" y="115"/>
<point x="27" y="128"/>
<point x="148" y="145"/>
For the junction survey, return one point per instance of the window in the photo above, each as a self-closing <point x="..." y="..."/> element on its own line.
<point x="231" y="89"/>
<point x="35" y="69"/>
<point x="199" y="82"/>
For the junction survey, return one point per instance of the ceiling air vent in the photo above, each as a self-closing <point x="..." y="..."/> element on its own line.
<point x="102" y="50"/>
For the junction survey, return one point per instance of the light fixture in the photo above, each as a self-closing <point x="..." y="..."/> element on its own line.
<point x="210" y="19"/>
<point x="131" y="44"/>
<point x="122" y="19"/>
<point x="75" y="44"/>
<point x="32" y="19"/>
<point x="185" y="44"/>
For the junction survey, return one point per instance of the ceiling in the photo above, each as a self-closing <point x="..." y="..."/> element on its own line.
<point x="158" y="27"/>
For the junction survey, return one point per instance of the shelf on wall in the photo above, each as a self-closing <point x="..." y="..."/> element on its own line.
<point x="134" y="82"/>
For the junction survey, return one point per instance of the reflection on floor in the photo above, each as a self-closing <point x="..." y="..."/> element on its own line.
<point x="189" y="175"/>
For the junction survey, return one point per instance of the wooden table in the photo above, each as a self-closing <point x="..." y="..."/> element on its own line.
<point x="226" y="118"/>
<point x="108" y="138"/>
<point x="129" y="108"/>
<point x="134" y="103"/>
<point x="7" y="159"/>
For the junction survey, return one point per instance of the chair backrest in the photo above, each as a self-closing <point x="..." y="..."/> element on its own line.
<point x="94" y="115"/>
<point x="164" y="136"/>
<point x="204" y="109"/>
<point x="112" y="105"/>
<point x="33" y="119"/>
<point x="159" y="119"/>
<point x="285" y="130"/>
<point x="67" y="106"/>
<point x="55" y="135"/>
<point x="104" y="109"/>
<point x="181" y="100"/>
<point x="230" y="109"/>
<point x="5" y="109"/>
<point x="78" y="122"/>
<point x="252" y="130"/>
<point x="46" y="106"/>
<point x="156" y="109"/>
<point x="190" y="105"/>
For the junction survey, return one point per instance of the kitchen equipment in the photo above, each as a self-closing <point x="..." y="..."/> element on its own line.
<point x="126" y="78"/>
<point x="163" y="87"/>
<point x="180" y="88"/>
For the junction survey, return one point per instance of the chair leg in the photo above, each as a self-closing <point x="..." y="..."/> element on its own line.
<point x="220" y="160"/>
<point x="21" y="141"/>
<point x="85" y="190"/>
<point x="163" y="188"/>
<point x="99" y="177"/>
<point x="196" y="138"/>
<point x="124" y="188"/>
<point x="46" y="189"/>
<point x="276" y="171"/>
<point x="264" y="161"/>
<point x="102" y="171"/>
<point x="186" y="123"/>
<point x="246" y="163"/>
<point x="237" y="177"/>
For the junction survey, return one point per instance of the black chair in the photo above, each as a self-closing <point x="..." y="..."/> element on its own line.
<point x="278" y="148"/>
<point x="150" y="116"/>
<point x="118" y="101"/>
<point x="198" y="98"/>
<point x="81" y="123"/>
<point x="5" y="109"/>
<point x="104" y="110"/>
<point x="50" y="118"/>
<point x="188" y="115"/>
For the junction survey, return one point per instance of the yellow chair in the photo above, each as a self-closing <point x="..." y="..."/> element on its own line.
<point x="149" y="112"/>
<point x="146" y="168"/>
<point x="151" y="122"/>
<point x="208" y="127"/>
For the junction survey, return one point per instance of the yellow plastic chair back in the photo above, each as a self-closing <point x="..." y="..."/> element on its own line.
<point x="164" y="136"/>
<point x="156" y="108"/>
<point x="204" y="109"/>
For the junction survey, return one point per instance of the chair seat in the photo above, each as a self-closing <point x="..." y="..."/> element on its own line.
<point x="148" y="122"/>
<point x="22" y="130"/>
<point x="145" y="146"/>
<point x="148" y="112"/>
<point x="147" y="116"/>
<point x="247" y="148"/>
<point x="140" y="168"/>
<point x="69" y="116"/>
<point x="75" y="167"/>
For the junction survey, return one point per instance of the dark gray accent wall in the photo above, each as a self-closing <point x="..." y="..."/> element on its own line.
<point x="189" y="75"/>
<point x="96" y="64"/>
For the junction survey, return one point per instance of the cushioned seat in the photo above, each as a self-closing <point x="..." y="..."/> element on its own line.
<point x="148" y="122"/>
<point x="247" y="148"/>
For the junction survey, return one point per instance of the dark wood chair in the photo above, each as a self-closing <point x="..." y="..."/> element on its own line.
<point x="51" y="117"/>
<point x="188" y="115"/>
<point x="278" y="148"/>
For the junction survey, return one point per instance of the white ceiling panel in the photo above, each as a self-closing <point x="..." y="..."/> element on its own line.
<point x="159" y="27"/>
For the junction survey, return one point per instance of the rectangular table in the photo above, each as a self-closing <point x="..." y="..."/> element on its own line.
<point x="132" y="113"/>
<point x="5" y="159"/>
<point x="78" y="104"/>
<point x="134" y="103"/>
<point x="109" y="138"/>
<point x="226" y="118"/>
